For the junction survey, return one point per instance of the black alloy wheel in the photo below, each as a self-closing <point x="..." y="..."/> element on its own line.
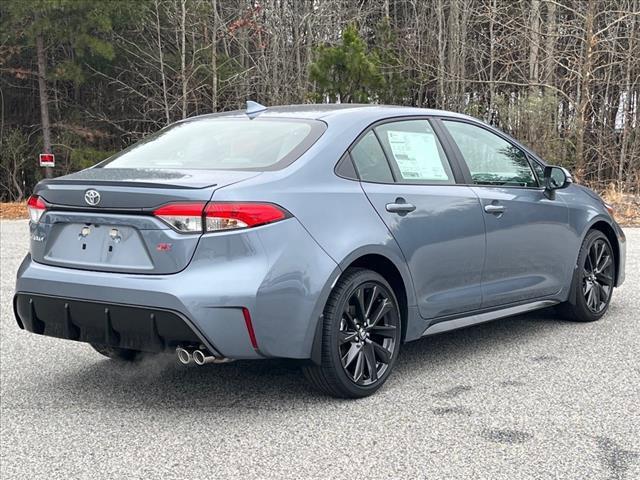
<point x="368" y="333"/>
<point x="593" y="280"/>
<point x="361" y="336"/>
<point x="597" y="276"/>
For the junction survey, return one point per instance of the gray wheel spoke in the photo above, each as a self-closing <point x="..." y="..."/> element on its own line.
<point x="599" y="253"/>
<point x="384" y="307"/>
<point x="359" y="370"/>
<point x="352" y="353"/>
<point x="596" y="296"/>
<point x="590" y="259"/>
<point x="349" y="317"/>
<point x="370" y="358"/>
<point x="360" y="310"/>
<point x="383" y="354"/>
<point x="604" y="263"/>
<point x="388" y="331"/>
<point x="590" y="298"/>
<point x="605" y="279"/>
<point x="600" y="296"/>
<point x="346" y="337"/>
<point x="374" y="295"/>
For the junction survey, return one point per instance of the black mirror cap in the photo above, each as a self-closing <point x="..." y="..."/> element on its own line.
<point x="556" y="178"/>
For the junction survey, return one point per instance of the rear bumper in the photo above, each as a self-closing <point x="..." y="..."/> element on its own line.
<point x="277" y="272"/>
<point x="124" y="326"/>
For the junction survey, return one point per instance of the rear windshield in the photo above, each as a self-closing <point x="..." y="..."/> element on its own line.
<point x="222" y="143"/>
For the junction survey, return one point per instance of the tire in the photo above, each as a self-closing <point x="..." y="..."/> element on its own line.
<point x="361" y="336"/>
<point x="593" y="280"/>
<point x="115" y="353"/>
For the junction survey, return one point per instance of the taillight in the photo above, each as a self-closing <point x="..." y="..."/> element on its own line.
<point x="36" y="207"/>
<point x="183" y="217"/>
<point x="218" y="216"/>
<point x="229" y="216"/>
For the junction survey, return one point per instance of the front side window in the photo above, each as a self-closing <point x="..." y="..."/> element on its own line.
<point x="221" y="143"/>
<point x="370" y="161"/>
<point x="491" y="159"/>
<point x="415" y="152"/>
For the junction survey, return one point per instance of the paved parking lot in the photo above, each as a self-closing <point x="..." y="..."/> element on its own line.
<point x="527" y="397"/>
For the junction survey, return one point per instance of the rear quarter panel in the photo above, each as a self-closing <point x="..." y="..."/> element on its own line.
<point x="335" y="211"/>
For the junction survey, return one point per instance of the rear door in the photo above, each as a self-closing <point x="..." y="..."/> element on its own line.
<point x="438" y="225"/>
<point x="524" y="228"/>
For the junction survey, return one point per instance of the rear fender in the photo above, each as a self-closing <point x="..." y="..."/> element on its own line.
<point x="389" y="254"/>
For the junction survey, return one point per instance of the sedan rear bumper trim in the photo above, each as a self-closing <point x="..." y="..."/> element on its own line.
<point x="148" y="329"/>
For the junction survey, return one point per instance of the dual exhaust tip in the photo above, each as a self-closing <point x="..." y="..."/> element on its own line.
<point x="200" y="357"/>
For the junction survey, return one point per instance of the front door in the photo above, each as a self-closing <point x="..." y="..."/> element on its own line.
<point x="524" y="228"/>
<point x="438" y="225"/>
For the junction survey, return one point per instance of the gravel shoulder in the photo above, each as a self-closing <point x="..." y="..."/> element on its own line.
<point x="525" y="397"/>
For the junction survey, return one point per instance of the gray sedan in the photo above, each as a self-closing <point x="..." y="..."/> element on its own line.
<point x="330" y="234"/>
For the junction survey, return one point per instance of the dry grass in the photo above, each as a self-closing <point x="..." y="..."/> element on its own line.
<point x="626" y="206"/>
<point x="13" y="210"/>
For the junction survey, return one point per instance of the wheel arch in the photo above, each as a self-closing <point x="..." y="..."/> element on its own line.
<point x="391" y="268"/>
<point x="607" y="229"/>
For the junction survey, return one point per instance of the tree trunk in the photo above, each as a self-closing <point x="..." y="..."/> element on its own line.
<point x="549" y="46"/>
<point x="585" y="84"/>
<point x="441" y="54"/>
<point x="534" y="46"/>
<point x="492" y="59"/>
<point x="162" y="72"/>
<point x="183" y="53"/>
<point x="44" y="100"/>
<point x="214" y="58"/>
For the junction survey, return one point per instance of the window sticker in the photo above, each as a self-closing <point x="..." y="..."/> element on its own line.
<point x="417" y="155"/>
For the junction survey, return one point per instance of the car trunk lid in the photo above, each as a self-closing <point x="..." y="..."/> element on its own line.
<point x="119" y="232"/>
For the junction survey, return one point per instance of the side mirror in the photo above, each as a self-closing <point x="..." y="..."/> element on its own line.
<point x="556" y="178"/>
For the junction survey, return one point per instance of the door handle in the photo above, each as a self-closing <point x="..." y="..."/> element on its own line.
<point x="494" y="209"/>
<point x="400" y="206"/>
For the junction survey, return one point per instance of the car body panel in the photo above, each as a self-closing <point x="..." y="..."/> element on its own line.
<point x="527" y="245"/>
<point x="443" y="242"/>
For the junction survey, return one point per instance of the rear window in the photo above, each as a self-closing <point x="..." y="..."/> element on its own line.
<point x="222" y="144"/>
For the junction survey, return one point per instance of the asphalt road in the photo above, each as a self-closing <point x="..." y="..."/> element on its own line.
<point x="526" y="397"/>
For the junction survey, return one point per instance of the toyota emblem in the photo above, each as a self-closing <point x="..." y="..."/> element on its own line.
<point x="92" y="197"/>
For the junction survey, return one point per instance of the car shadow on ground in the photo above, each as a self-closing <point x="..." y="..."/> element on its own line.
<point x="160" y="382"/>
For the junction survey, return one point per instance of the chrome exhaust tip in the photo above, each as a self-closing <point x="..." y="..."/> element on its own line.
<point x="184" y="356"/>
<point x="202" y="357"/>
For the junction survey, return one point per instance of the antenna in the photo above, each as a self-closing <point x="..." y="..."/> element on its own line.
<point x="254" y="109"/>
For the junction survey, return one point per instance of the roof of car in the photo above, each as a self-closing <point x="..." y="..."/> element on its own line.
<point x="326" y="111"/>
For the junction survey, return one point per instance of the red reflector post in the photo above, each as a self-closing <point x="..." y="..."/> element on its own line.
<point x="249" y="324"/>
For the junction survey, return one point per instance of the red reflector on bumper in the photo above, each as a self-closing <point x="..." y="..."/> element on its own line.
<point x="247" y="321"/>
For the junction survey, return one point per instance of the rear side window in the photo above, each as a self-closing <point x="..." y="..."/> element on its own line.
<point x="415" y="152"/>
<point x="491" y="159"/>
<point x="370" y="160"/>
<point x="222" y="143"/>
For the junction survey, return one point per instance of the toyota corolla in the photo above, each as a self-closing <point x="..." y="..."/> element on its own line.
<point x="328" y="234"/>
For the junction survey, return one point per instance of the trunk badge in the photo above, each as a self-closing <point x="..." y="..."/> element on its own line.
<point x="92" y="197"/>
